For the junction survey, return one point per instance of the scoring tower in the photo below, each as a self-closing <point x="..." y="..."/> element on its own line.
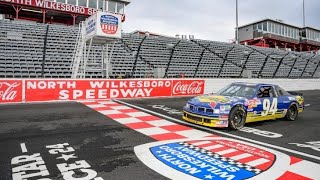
<point x="99" y="31"/>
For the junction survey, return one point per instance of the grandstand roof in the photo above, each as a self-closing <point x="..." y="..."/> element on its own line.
<point x="268" y="19"/>
<point x="126" y="2"/>
<point x="150" y="33"/>
<point x="307" y="27"/>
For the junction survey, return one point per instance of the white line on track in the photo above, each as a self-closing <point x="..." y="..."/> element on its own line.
<point x="23" y="147"/>
<point x="307" y="105"/>
<point x="220" y="132"/>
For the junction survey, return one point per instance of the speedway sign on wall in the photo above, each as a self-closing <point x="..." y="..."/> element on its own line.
<point x="95" y="89"/>
<point x="65" y="90"/>
<point x="51" y="5"/>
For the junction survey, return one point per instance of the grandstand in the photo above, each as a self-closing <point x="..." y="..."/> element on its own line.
<point x="36" y="50"/>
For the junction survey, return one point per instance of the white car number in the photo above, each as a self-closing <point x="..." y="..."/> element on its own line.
<point x="268" y="107"/>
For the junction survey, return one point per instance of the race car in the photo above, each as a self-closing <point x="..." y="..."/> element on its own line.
<point x="240" y="103"/>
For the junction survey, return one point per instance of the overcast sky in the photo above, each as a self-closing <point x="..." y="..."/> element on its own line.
<point x="213" y="19"/>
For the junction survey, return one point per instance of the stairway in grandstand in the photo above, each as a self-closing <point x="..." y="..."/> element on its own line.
<point x="31" y="50"/>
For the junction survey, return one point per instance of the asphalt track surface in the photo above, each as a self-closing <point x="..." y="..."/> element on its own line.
<point x="304" y="129"/>
<point x="106" y="146"/>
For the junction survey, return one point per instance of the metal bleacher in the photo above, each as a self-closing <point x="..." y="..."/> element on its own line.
<point x="32" y="50"/>
<point x="21" y="49"/>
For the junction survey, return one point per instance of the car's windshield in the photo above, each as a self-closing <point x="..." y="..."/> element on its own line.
<point x="237" y="90"/>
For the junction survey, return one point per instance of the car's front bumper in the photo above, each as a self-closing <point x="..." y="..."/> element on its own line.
<point x="205" y="120"/>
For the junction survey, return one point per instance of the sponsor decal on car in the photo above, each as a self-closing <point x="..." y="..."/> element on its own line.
<point x="212" y="158"/>
<point x="291" y="98"/>
<point x="225" y="107"/>
<point x="252" y="103"/>
<point x="224" y="117"/>
<point x="218" y="99"/>
<point x="213" y="104"/>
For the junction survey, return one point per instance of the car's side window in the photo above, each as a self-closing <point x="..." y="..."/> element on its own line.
<point x="265" y="92"/>
<point x="279" y="91"/>
<point x="273" y="92"/>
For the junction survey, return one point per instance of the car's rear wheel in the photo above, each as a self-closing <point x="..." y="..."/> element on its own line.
<point x="292" y="112"/>
<point x="237" y="118"/>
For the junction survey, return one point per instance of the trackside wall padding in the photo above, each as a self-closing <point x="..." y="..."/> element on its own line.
<point x="32" y="90"/>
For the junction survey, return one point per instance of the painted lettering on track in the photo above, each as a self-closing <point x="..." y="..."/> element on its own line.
<point x="33" y="166"/>
<point x="167" y="109"/>
<point x="315" y="145"/>
<point x="28" y="166"/>
<point x="261" y="132"/>
<point x="70" y="170"/>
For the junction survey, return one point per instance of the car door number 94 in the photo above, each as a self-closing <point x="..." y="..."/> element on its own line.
<point x="268" y="107"/>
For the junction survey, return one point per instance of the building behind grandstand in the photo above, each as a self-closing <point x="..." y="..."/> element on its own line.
<point x="69" y="12"/>
<point x="277" y="34"/>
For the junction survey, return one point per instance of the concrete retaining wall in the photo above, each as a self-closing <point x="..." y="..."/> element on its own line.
<point x="213" y="85"/>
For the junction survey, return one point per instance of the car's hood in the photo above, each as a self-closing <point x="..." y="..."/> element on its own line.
<point x="212" y="101"/>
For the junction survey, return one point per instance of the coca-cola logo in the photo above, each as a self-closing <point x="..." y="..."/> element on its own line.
<point x="7" y="91"/>
<point x="195" y="87"/>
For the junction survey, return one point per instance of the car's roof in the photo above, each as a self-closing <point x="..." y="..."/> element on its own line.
<point x="252" y="84"/>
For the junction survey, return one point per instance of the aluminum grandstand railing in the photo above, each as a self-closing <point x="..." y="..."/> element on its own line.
<point x="32" y="50"/>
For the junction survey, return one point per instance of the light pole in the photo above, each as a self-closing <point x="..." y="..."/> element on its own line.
<point x="303" y="14"/>
<point x="237" y="28"/>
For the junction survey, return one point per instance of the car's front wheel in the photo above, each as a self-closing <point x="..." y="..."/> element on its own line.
<point x="292" y="112"/>
<point x="237" y="118"/>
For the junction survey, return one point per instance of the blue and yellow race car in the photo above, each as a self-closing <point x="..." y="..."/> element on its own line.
<point x="240" y="103"/>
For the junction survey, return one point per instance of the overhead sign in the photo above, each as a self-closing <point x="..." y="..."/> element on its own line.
<point x="212" y="158"/>
<point x="91" y="26"/>
<point x="103" y="25"/>
<point x="109" y="24"/>
<point x="51" y="5"/>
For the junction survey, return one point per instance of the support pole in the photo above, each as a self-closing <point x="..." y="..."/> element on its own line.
<point x="44" y="51"/>
<point x="86" y="58"/>
<point x="44" y="15"/>
<point x="74" y="18"/>
<point x="303" y="14"/>
<point x="17" y="9"/>
<point x="237" y="26"/>
<point x="107" y="62"/>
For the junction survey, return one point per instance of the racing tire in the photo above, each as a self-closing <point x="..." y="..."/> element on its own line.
<point x="237" y="118"/>
<point x="292" y="113"/>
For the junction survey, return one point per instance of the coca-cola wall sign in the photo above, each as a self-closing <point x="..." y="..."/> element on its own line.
<point x="31" y="90"/>
<point x="187" y="87"/>
<point x="10" y="91"/>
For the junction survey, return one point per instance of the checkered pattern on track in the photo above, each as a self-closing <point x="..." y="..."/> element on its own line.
<point x="161" y="129"/>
